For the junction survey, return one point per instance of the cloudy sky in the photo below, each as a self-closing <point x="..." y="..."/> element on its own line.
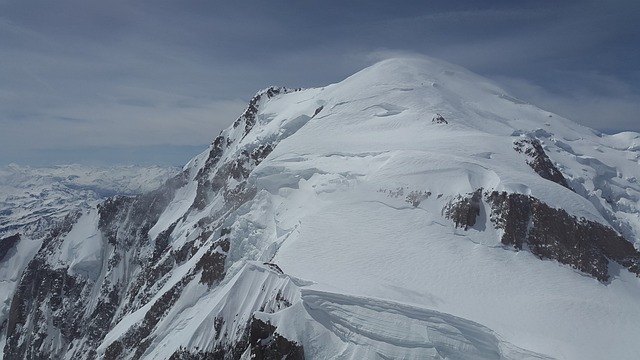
<point x="154" y="81"/>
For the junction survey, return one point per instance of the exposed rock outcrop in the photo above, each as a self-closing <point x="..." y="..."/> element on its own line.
<point x="549" y="233"/>
<point x="464" y="210"/>
<point x="7" y="244"/>
<point x="45" y="295"/>
<point x="266" y="343"/>
<point x="248" y="117"/>
<point x="539" y="161"/>
<point x="554" y="234"/>
<point x="262" y="341"/>
<point x="416" y="197"/>
<point x="212" y="263"/>
<point x="213" y="176"/>
<point x="439" y="119"/>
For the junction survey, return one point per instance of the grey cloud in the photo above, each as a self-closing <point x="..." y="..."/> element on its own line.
<point x="594" y="100"/>
<point x="174" y="72"/>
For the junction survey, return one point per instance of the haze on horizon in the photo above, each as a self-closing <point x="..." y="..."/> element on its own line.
<point x="154" y="82"/>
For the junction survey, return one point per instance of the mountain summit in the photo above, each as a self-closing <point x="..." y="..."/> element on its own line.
<point x="412" y="211"/>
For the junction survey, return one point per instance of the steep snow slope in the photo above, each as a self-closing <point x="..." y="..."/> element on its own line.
<point x="413" y="210"/>
<point x="33" y="200"/>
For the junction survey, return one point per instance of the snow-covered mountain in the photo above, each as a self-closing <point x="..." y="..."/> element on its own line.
<point x="35" y="200"/>
<point x="412" y="211"/>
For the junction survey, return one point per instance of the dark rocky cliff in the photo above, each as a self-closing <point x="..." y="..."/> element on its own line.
<point x="530" y="224"/>
<point x="7" y="244"/>
<point x="539" y="161"/>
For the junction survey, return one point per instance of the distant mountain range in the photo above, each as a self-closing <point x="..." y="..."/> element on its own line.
<point x="30" y="196"/>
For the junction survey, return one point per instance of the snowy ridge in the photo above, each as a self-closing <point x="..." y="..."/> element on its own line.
<point x="356" y="325"/>
<point x="227" y="310"/>
<point x="400" y="213"/>
<point x="363" y="323"/>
